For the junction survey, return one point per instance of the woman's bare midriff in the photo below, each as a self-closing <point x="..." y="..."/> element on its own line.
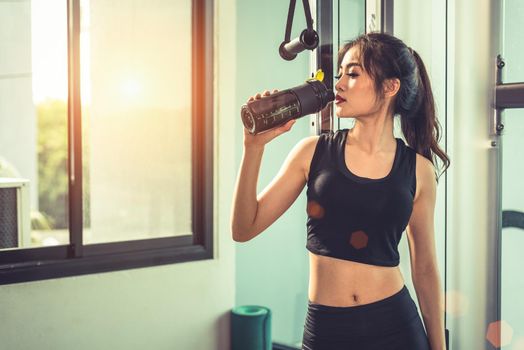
<point x="336" y="282"/>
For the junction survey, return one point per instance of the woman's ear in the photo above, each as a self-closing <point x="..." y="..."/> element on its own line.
<point x="391" y="87"/>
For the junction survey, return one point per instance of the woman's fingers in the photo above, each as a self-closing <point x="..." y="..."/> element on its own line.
<point x="260" y="95"/>
<point x="267" y="135"/>
<point x="285" y="127"/>
<point x="282" y="129"/>
<point x="289" y="124"/>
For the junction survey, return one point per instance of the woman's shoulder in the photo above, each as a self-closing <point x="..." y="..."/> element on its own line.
<point x="425" y="173"/>
<point x="423" y="164"/>
<point x="328" y="136"/>
<point x="307" y="147"/>
<point x="309" y="144"/>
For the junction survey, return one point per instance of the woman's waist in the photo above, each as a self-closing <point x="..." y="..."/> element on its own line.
<point x="345" y="283"/>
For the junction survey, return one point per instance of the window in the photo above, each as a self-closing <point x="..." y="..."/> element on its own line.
<point x="106" y="136"/>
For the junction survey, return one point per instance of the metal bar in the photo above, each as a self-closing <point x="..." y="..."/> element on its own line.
<point x="10" y="257"/>
<point x="496" y="120"/>
<point x="386" y="25"/>
<point x="74" y="112"/>
<point x="197" y="123"/>
<point x="202" y="124"/>
<point x="324" y="59"/>
<point x="513" y="218"/>
<point x="493" y="311"/>
<point x="509" y="95"/>
<point x="50" y="269"/>
<point x="138" y="245"/>
<point x="38" y="255"/>
<point x="208" y="138"/>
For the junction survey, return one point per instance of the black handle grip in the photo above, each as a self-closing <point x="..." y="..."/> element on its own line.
<point x="307" y="40"/>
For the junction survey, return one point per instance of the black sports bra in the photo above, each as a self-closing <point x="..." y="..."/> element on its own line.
<point x="358" y="218"/>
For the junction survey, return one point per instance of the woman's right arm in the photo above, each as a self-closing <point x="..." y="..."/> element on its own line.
<point x="252" y="214"/>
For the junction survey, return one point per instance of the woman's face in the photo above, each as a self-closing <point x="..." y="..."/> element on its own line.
<point x="354" y="89"/>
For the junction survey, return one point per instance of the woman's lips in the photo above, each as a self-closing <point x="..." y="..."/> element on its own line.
<point x="339" y="100"/>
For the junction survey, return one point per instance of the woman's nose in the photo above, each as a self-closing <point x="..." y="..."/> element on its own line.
<point x="338" y="86"/>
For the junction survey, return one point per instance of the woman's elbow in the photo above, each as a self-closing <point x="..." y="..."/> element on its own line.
<point x="239" y="239"/>
<point x="240" y="236"/>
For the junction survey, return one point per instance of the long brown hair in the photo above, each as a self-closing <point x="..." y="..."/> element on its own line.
<point x="384" y="56"/>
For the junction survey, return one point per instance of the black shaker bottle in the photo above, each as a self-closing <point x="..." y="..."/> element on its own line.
<point x="277" y="109"/>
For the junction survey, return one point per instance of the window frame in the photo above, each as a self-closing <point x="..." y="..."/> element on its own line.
<point x="40" y="263"/>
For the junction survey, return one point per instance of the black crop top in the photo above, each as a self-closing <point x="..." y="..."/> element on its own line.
<point x="357" y="218"/>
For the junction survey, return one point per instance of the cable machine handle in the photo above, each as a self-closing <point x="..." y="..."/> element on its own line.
<point x="308" y="39"/>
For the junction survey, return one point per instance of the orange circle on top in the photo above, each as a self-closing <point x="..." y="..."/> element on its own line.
<point x="359" y="239"/>
<point x="315" y="210"/>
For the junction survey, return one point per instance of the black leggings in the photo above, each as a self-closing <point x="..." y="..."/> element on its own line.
<point x="392" y="323"/>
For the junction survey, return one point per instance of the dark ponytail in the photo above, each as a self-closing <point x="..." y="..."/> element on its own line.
<point x="384" y="56"/>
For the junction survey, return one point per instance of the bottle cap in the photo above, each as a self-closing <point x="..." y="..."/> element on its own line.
<point x="319" y="75"/>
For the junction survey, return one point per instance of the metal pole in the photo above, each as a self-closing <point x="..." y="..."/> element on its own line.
<point x="323" y="10"/>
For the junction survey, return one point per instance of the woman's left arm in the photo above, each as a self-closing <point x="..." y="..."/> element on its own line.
<point x="421" y="240"/>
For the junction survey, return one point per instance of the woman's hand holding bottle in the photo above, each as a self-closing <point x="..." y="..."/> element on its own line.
<point x="261" y="139"/>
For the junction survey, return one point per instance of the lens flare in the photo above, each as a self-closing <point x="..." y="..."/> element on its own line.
<point x="359" y="239"/>
<point x="499" y="333"/>
<point x="457" y="303"/>
<point x="315" y="210"/>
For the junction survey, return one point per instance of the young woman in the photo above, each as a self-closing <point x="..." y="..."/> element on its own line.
<point x="364" y="188"/>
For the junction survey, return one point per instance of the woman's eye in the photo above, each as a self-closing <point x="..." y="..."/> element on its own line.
<point x="350" y="74"/>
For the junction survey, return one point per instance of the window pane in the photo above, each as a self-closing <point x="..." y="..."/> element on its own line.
<point x="512" y="40"/>
<point x="136" y="110"/>
<point x="512" y="235"/>
<point x="33" y="124"/>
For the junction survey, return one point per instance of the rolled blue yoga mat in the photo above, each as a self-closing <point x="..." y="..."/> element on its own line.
<point x="250" y="328"/>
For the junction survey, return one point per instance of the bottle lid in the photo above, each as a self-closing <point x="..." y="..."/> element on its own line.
<point x="319" y="75"/>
